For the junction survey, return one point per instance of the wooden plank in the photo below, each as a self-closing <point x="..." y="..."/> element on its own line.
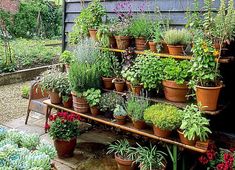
<point x="128" y="127"/>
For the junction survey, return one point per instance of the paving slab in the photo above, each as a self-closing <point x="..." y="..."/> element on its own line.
<point x="15" y="123"/>
<point x="32" y="129"/>
<point x="61" y="166"/>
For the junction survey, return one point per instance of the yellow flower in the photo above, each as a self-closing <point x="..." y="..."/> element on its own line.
<point x="216" y="53"/>
<point x="206" y="50"/>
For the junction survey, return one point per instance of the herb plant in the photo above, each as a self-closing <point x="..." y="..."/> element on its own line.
<point x="132" y="74"/>
<point x="25" y="91"/>
<point x="66" y="57"/>
<point x="177" y="37"/>
<point x="119" y="111"/>
<point x="103" y="34"/>
<point x="92" y="96"/>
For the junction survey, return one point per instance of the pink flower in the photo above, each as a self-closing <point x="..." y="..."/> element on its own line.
<point x="203" y="160"/>
<point x="47" y="126"/>
<point x="220" y="166"/>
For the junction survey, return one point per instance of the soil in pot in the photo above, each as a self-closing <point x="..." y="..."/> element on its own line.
<point x="139" y="124"/>
<point x="80" y="104"/>
<point x="93" y="33"/>
<point x="55" y="97"/>
<point x="124" y="164"/>
<point x="175" y="92"/>
<point x="119" y="85"/>
<point x="184" y="140"/>
<point x="161" y="133"/>
<point x="123" y="42"/>
<point x="140" y="43"/>
<point x="208" y="97"/>
<point x="107" y="83"/>
<point x="94" y="110"/>
<point x="153" y="46"/>
<point x="176" y="49"/>
<point x="112" y="42"/>
<point x="65" y="149"/>
<point x="121" y="120"/>
<point x="136" y="89"/>
<point x="69" y="103"/>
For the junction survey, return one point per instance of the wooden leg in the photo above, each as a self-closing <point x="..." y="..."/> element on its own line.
<point x="48" y="113"/>
<point x="27" y="116"/>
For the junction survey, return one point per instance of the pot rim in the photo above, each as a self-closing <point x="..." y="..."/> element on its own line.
<point x="119" y="158"/>
<point x="106" y="78"/>
<point x="121" y="36"/>
<point x="210" y="88"/>
<point x="92" y="29"/>
<point x="177" y="86"/>
<point x="176" y="46"/>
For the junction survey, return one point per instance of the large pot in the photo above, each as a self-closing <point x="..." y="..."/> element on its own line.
<point x="175" y="92"/>
<point x="107" y="83"/>
<point x="80" y="104"/>
<point x="184" y="140"/>
<point x="160" y="132"/>
<point x="208" y="97"/>
<point x="153" y="46"/>
<point x="175" y="49"/>
<point x="139" y="124"/>
<point x="65" y="149"/>
<point x="54" y="97"/>
<point x="140" y="43"/>
<point x="112" y="42"/>
<point x="69" y="103"/>
<point x="93" y="33"/>
<point x="94" y="110"/>
<point x="136" y="89"/>
<point x="119" y="85"/>
<point x="123" y="42"/>
<point x="124" y="164"/>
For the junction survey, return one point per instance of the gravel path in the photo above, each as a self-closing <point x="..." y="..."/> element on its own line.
<point x="12" y="105"/>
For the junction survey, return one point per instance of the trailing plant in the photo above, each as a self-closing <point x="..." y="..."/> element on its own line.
<point x="177" y="37"/>
<point x="194" y="125"/>
<point x="165" y="117"/>
<point x="66" y="57"/>
<point x="93" y="96"/>
<point x="119" y="111"/>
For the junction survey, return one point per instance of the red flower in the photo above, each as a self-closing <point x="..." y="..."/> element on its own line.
<point x="51" y="118"/>
<point x="228" y="157"/>
<point x="220" y="166"/>
<point x="47" y="126"/>
<point x="203" y="160"/>
<point x="60" y="114"/>
<point x="211" y="154"/>
<point x="232" y="149"/>
<point x="62" y="121"/>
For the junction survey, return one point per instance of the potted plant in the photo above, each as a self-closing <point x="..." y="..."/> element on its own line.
<point x="135" y="108"/>
<point x="120" y="114"/>
<point x="124" y="154"/>
<point x="65" y="90"/>
<point x="118" y="81"/>
<point x="164" y="118"/>
<point x="66" y="57"/>
<point x="65" y="139"/>
<point x="93" y="98"/>
<point x="177" y="40"/>
<point x="156" y="35"/>
<point x="108" y="102"/>
<point x="205" y="73"/>
<point x="175" y="78"/>
<point x="194" y="126"/>
<point x="105" y="35"/>
<point x="150" y="158"/>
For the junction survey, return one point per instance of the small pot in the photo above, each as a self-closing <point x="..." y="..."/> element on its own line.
<point x="153" y="46"/>
<point x="161" y="133"/>
<point x="140" y="43"/>
<point x="208" y="97"/>
<point x="175" y="49"/>
<point x="184" y="140"/>
<point x="54" y="97"/>
<point x="139" y="124"/>
<point x="119" y="85"/>
<point x="80" y="104"/>
<point x="175" y="92"/>
<point x="94" y="110"/>
<point x="136" y="89"/>
<point x="121" y="120"/>
<point x="65" y="149"/>
<point x="93" y="33"/>
<point x="123" y="42"/>
<point x="112" y="42"/>
<point x="69" y="103"/>
<point x="107" y="83"/>
<point x="124" y="164"/>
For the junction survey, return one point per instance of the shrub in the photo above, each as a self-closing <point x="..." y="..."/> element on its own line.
<point x="177" y="37"/>
<point x="66" y="57"/>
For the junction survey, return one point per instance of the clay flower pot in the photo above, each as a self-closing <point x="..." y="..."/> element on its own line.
<point x="175" y="92"/>
<point x="128" y="84"/>
<point x="208" y="97"/>
<point x="175" y="49"/>
<point x="123" y="42"/>
<point x="124" y="164"/>
<point x="119" y="85"/>
<point x="112" y="42"/>
<point x="94" y="110"/>
<point x="153" y="46"/>
<point x="107" y="83"/>
<point x="121" y="120"/>
<point x="69" y="103"/>
<point x="139" y="124"/>
<point x="65" y="149"/>
<point x="160" y="132"/>
<point x="136" y="89"/>
<point x="93" y="33"/>
<point x="54" y="97"/>
<point x="80" y="104"/>
<point x="164" y="48"/>
<point x="140" y="43"/>
<point x="184" y="140"/>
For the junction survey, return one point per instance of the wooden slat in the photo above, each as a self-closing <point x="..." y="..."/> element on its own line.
<point x="130" y="128"/>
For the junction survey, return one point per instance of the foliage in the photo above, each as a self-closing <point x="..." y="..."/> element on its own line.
<point x="25" y="91"/>
<point x="150" y="157"/>
<point x="66" y="57"/>
<point x="132" y="74"/>
<point x="103" y="34"/>
<point x="119" y="111"/>
<point x="120" y="8"/>
<point x="194" y="124"/>
<point x="135" y="107"/>
<point x="84" y="76"/>
<point x="122" y="148"/>
<point x="122" y="28"/>
<point x="48" y="149"/>
<point x="177" y="37"/>
<point x="64" y="126"/>
<point x="109" y="101"/>
<point x="165" y="117"/>
<point x="176" y="70"/>
<point x="29" y="141"/>
<point x="93" y="96"/>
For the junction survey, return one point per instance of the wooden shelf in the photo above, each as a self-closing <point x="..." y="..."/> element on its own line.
<point x="163" y="55"/>
<point x="199" y="147"/>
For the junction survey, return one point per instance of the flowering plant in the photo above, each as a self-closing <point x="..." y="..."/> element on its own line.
<point x="218" y="159"/>
<point x="64" y="126"/>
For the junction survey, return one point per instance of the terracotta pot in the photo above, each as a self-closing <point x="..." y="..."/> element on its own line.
<point x="65" y="149"/>
<point x="164" y="48"/>
<point x="94" y="110"/>
<point x="176" y="49"/>
<point x="161" y="133"/>
<point x="112" y="42"/>
<point x="119" y="85"/>
<point x="66" y="66"/>
<point x="184" y="140"/>
<point x="140" y="43"/>
<point x="208" y="97"/>
<point x="93" y="33"/>
<point x="175" y="92"/>
<point x="123" y="42"/>
<point x="80" y="104"/>
<point x="107" y="83"/>
<point x="121" y="120"/>
<point x="163" y="168"/>
<point x="54" y="97"/>
<point x="124" y="164"/>
<point x="139" y="124"/>
<point x="128" y="84"/>
<point x="153" y="46"/>
<point x="136" y="89"/>
<point x="69" y="103"/>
